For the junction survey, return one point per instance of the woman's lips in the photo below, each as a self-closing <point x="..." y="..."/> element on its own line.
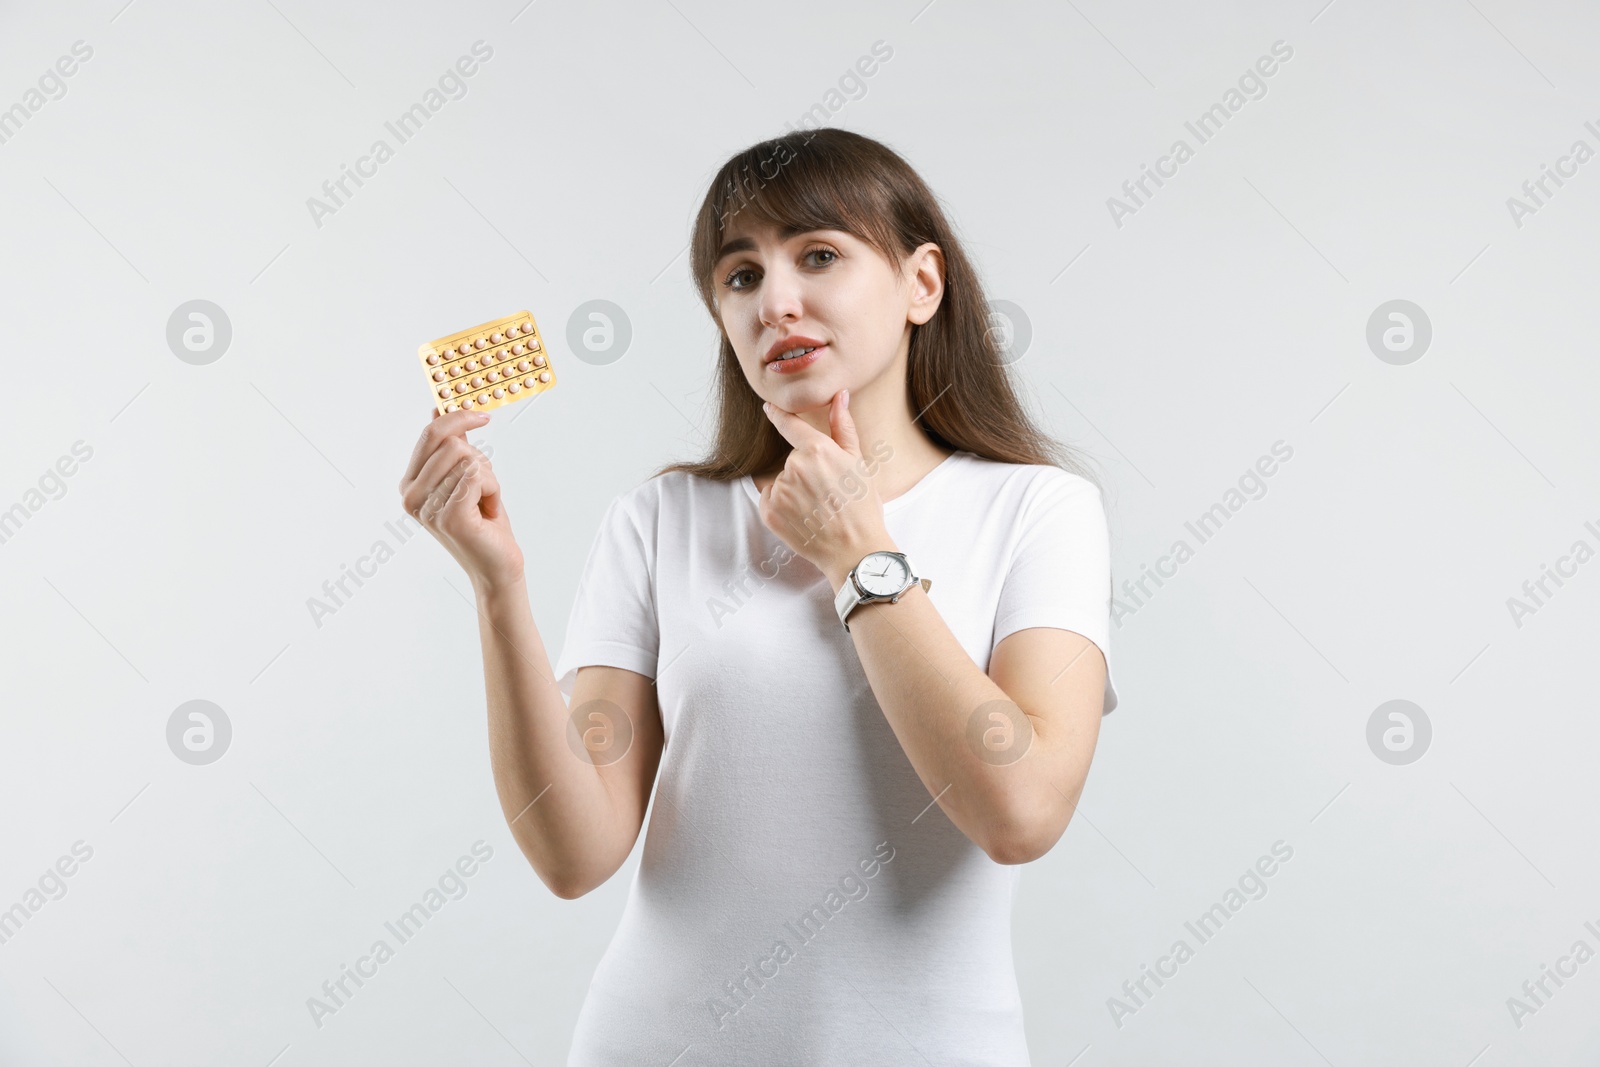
<point x="789" y="366"/>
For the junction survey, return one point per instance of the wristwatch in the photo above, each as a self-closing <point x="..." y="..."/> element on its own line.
<point x="879" y="576"/>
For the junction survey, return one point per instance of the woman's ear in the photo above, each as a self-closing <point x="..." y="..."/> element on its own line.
<point x="927" y="283"/>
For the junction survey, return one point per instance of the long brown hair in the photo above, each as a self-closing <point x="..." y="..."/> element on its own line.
<point x="835" y="179"/>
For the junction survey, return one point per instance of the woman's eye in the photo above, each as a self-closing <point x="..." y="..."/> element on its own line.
<point x="729" y="281"/>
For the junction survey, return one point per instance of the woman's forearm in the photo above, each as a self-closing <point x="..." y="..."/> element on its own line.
<point x="556" y="804"/>
<point x="930" y="690"/>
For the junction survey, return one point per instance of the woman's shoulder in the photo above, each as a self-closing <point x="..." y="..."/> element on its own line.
<point x="674" y="488"/>
<point x="1026" y="479"/>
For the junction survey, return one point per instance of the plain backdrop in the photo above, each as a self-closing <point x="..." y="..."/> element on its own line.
<point x="1174" y="346"/>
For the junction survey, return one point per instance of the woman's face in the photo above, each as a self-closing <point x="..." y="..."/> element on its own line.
<point x="829" y="288"/>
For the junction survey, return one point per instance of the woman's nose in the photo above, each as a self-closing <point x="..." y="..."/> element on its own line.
<point x="780" y="297"/>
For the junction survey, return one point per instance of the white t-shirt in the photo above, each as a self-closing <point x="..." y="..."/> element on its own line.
<point x="800" y="898"/>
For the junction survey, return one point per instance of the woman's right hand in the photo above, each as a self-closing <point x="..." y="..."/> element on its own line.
<point x="450" y="488"/>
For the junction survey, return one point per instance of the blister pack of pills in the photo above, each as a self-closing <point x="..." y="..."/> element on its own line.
<point x="497" y="363"/>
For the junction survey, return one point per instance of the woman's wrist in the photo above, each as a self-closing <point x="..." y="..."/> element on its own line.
<point x="496" y="592"/>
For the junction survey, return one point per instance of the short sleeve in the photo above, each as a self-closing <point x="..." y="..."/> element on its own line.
<point x="1060" y="570"/>
<point x="613" y="619"/>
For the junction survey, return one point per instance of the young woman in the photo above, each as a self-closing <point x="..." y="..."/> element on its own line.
<point x="857" y="653"/>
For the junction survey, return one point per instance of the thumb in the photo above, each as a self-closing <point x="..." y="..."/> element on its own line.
<point x="842" y="425"/>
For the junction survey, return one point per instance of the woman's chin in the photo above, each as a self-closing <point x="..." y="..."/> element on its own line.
<point x="806" y="396"/>
<point x="802" y="400"/>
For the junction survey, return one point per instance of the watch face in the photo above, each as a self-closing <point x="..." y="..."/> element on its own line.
<point x="882" y="574"/>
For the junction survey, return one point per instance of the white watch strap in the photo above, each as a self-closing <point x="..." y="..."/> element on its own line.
<point x="846" y="599"/>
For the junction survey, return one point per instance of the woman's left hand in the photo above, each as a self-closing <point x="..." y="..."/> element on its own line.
<point x="823" y="504"/>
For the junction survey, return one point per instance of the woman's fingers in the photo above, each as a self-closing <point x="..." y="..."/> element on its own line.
<point x="450" y="487"/>
<point x="468" y="490"/>
<point x="437" y="430"/>
<point x="491" y="493"/>
<point x="439" y="497"/>
<point x="472" y="468"/>
<point x="461" y="506"/>
<point x="451" y="451"/>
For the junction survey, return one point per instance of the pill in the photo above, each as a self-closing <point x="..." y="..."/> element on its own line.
<point x="461" y="387"/>
<point x="527" y="327"/>
<point x="477" y="381"/>
<point x="523" y="365"/>
<point x="464" y="349"/>
<point x="498" y="393"/>
<point x="438" y="375"/>
<point x="452" y="407"/>
<point x="519" y="349"/>
<point x="433" y="358"/>
<point x="497" y="337"/>
<point x="494" y="376"/>
<point x="514" y="387"/>
<point x="538" y="361"/>
<point x="467" y="403"/>
<point x="544" y="376"/>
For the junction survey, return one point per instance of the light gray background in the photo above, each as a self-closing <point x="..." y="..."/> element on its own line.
<point x="1228" y="314"/>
